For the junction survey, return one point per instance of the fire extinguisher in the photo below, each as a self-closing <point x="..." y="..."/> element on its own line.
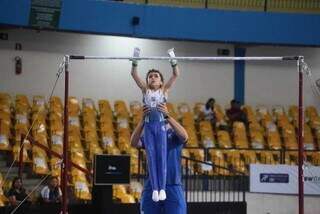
<point x="18" y="65"/>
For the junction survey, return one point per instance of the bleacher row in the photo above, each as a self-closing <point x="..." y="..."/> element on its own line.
<point x="103" y="129"/>
<point x="311" y="6"/>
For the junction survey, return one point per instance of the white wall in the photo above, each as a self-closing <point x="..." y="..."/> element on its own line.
<point x="267" y="83"/>
<point x="277" y="82"/>
<point x="280" y="204"/>
<point x="42" y="53"/>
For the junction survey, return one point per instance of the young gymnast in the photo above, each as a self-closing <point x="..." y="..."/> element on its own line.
<point x="155" y="137"/>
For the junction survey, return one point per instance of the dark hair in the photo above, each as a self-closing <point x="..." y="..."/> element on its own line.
<point x="235" y="101"/>
<point x="210" y="100"/>
<point x="154" y="71"/>
<point x="14" y="181"/>
<point x="52" y="177"/>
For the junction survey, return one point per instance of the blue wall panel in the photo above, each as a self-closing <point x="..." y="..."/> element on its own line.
<point x="14" y="12"/>
<point x="106" y="17"/>
<point x="239" y="76"/>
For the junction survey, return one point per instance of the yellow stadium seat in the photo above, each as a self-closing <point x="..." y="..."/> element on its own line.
<point x="224" y="140"/>
<point x="311" y="113"/>
<point x="206" y="134"/>
<point x="20" y="129"/>
<point x="124" y="143"/>
<point x="193" y="140"/>
<point x="81" y="190"/>
<point x="234" y="158"/>
<point x="263" y="115"/>
<point x="187" y="119"/>
<point x="5" y="116"/>
<point x="5" y="135"/>
<point x="122" y="123"/>
<point x="40" y="165"/>
<point x="250" y="114"/>
<point x="256" y="133"/>
<point x="89" y="114"/>
<point x="296" y="6"/>
<point x="135" y="189"/>
<point x="172" y="111"/>
<point x="93" y="150"/>
<point x="5" y="99"/>
<point x="278" y="111"/>
<point x="315" y="123"/>
<point x="197" y="154"/>
<point x="74" y="121"/>
<point x="120" y="109"/>
<point x="55" y="106"/>
<point x="208" y="140"/>
<point x="107" y="127"/>
<point x="113" y="150"/>
<point x="183" y="108"/>
<point x="4" y="143"/>
<point x="56" y="127"/>
<point x="273" y="136"/>
<point x="107" y="140"/>
<point x="250" y="157"/>
<point x="293" y="114"/>
<point x="74" y="107"/>
<point x="308" y="138"/>
<point x="22" y="99"/>
<point x="22" y="118"/>
<point x="16" y="154"/>
<point x="39" y="127"/>
<point x="220" y="116"/>
<point x="119" y="190"/>
<point x="316" y="158"/>
<point x="197" y="109"/>
<point x="88" y="103"/>
<point x="240" y="135"/>
<point x="38" y="104"/>
<point x="135" y="107"/>
<point x="3" y="199"/>
<point x="42" y="139"/>
<point x="289" y="137"/>
<point x="105" y="109"/>
<point x="136" y="112"/>
<point x="217" y="158"/>
<point x="266" y="157"/>
<point x="291" y="158"/>
<point x="55" y="165"/>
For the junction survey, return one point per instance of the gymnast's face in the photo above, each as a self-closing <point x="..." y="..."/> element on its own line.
<point x="154" y="80"/>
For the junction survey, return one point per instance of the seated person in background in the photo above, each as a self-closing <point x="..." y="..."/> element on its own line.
<point x="235" y="113"/>
<point x="16" y="195"/>
<point x="207" y="112"/>
<point x="52" y="192"/>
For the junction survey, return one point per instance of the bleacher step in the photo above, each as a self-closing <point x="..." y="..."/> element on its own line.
<point x="3" y="164"/>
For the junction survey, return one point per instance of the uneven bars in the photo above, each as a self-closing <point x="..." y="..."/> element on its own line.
<point x="279" y="58"/>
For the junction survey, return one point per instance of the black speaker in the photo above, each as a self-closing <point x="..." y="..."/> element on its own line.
<point x="4" y="36"/>
<point x="223" y="52"/>
<point x="135" y="21"/>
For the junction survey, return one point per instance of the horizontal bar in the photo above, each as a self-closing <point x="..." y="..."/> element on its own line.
<point x="278" y="58"/>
